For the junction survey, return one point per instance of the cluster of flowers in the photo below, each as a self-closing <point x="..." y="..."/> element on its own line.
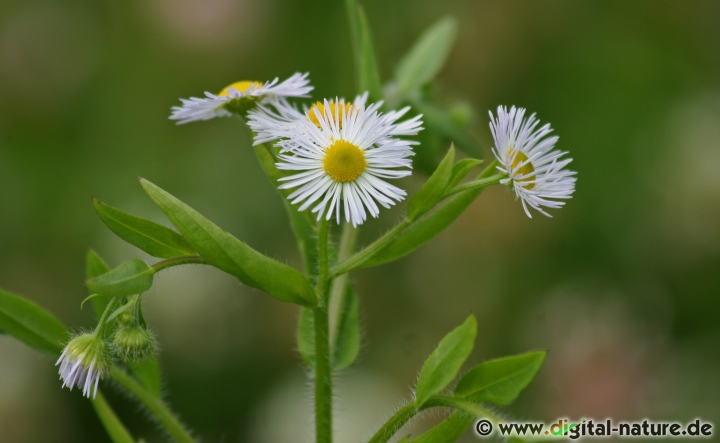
<point x="88" y="357"/>
<point x="339" y="157"/>
<point x="342" y="153"/>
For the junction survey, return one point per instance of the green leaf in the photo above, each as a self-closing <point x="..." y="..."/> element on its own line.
<point x="427" y="56"/>
<point x="423" y="230"/>
<point x="147" y="373"/>
<point x="155" y="239"/>
<point x="347" y="339"/>
<point x="132" y="277"/>
<point x="229" y="254"/>
<point x="432" y="191"/>
<point x="500" y="381"/>
<point x="446" y="360"/>
<point x="96" y="266"/>
<point x="306" y="336"/>
<point x="31" y="324"/>
<point x="448" y="430"/>
<point x="439" y="120"/>
<point x="367" y="72"/>
<point x="112" y="424"/>
<point x="302" y="224"/>
<point x="461" y="169"/>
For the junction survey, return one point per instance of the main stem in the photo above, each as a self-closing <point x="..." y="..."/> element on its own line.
<point x="323" y="370"/>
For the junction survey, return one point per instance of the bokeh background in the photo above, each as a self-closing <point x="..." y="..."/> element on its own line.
<point x="621" y="286"/>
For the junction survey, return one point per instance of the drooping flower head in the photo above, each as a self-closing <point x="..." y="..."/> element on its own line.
<point x="535" y="171"/>
<point x="84" y="361"/>
<point x="238" y="98"/>
<point x="342" y="154"/>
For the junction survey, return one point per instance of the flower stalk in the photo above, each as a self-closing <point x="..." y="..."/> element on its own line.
<point x="323" y="369"/>
<point x="154" y="405"/>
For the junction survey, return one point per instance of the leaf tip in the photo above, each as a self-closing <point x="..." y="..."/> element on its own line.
<point x="471" y="319"/>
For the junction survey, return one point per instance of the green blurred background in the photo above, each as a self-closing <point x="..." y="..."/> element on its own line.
<point x="621" y="286"/>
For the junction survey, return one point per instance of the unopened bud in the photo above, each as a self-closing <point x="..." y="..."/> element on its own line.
<point x="134" y="343"/>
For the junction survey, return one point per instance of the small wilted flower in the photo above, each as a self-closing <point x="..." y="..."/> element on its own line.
<point x="535" y="171"/>
<point x="84" y="361"/>
<point x="238" y="98"/>
<point x="134" y="343"/>
<point x="343" y="153"/>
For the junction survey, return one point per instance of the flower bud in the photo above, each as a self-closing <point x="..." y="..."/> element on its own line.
<point x="125" y="319"/>
<point x="134" y="343"/>
<point x="84" y="361"/>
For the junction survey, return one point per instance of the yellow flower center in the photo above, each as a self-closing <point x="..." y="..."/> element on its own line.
<point x="344" y="161"/>
<point x="341" y="108"/>
<point x="241" y="87"/>
<point x="527" y="169"/>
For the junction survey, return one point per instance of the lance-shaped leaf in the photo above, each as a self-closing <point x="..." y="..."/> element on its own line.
<point x="132" y="277"/>
<point x="95" y="266"/>
<point x="461" y="169"/>
<point x="346" y="346"/>
<point x="427" y="56"/>
<point x="433" y="189"/>
<point x="367" y="72"/>
<point x="31" y="324"/>
<point x="306" y="336"/>
<point x="423" y="230"/>
<point x="500" y="381"/>
<point x="117" y="432"/>
<point x="446" y="360"/>
<point x="231" y="255"/>
<point x="153" y="238"/>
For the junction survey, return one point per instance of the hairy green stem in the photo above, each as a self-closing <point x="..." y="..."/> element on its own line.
<point x="117" y="432"/>
<point x="348" y="238"/>
<point x="323" y="369"/>
<point x="360" y="257"/>
<point x="102" y="323"/>
<point x="404" y="414"/>
<point x="397" y="421"/>
<point x="154" y="405"/>
<point x="176" y="261"/>
<point x="475" y="184"/>
<point x="472" y="408"/>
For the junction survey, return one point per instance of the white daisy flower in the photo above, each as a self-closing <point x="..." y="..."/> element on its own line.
<point x="273" y="121"/>
<point x="84" y="361"/>
<point x="343" y="154"/>
<point x="534" y="170"/>
<point x="238" y="98"/>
